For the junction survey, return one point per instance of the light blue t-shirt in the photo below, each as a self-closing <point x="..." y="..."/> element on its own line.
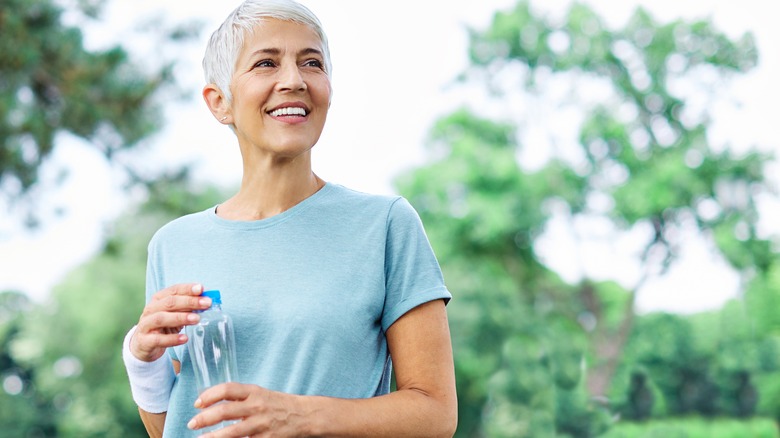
<point x="311" y="291"/>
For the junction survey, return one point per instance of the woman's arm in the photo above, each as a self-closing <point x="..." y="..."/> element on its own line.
<point x="424" y="404"/>
<point x="158" y="328"/>
<point x="153" y="423"/>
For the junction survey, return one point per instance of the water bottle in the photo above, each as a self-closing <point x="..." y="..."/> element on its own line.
<point x="212" y="348"/>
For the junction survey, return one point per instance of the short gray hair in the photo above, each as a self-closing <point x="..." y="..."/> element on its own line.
<point x="225" y="44"/>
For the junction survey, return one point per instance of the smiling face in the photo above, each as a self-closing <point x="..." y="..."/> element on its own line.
<point x="281" y="91"/>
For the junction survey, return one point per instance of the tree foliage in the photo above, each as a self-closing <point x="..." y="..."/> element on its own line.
<point x="641" y="160"/>
<point x="51" y="84"/>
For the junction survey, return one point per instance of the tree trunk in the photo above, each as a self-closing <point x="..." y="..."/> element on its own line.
<point x="608" y="345"/>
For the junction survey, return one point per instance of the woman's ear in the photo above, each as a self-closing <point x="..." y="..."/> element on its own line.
<point x="217" y="104"/>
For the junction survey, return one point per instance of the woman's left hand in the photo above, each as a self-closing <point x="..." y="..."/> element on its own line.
<point x="261" y="412"/>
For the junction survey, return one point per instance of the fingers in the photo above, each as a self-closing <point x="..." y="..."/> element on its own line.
<point x="231" y="429"/>
<point x="225" y="391"/>
<point x="217" y="408"/>
<point x="217" y="414"/>
<point x="183" y="289"/>
<point x="166" y="322"/>
<point x="149" y="346"/>
<point x="164" y="317"/>
<point x="259" y="410"/>
<point x="177" y="298"/>
<point x="172" y="304"/>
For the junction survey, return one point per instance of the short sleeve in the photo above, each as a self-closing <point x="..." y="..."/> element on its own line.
<point x="152" y="278"/>
<point x="412" y="273"/>
<point x="154" y="281"/>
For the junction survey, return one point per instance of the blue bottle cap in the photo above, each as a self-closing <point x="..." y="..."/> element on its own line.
<point x="216" y="298"/>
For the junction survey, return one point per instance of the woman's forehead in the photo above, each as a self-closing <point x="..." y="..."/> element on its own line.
<point x="276" y="32"/>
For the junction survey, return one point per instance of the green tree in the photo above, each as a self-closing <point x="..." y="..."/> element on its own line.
<point x="22" y="409"/>
<point x="716" y="363"/>
<point x="677" y="364"/>
<point x="641" y="161"/>
<point x="51" y="84"/>
<point x="762" y="331"/>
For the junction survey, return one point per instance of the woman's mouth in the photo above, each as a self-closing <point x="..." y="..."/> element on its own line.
<point x="288" y="111"/>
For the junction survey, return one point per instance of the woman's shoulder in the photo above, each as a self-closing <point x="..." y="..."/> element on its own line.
<point x="343" y="194"/>
<point x="183" y="225"/>
<point x="391" y="207"/>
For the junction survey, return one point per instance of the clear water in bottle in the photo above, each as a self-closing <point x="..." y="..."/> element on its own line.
<point x="212" y="348"/>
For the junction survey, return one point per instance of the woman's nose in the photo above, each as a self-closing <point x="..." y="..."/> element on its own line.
<point x="291" y="79"/>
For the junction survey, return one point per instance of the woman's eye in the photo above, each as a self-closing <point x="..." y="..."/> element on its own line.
<point x="313" y="63"/>
<point x="265" y="63"/>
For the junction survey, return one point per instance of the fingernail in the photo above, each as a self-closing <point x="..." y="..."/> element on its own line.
<point x="192" y="317"/>
<point x="198" y="403"/>
<point x="197" y="288"/>
<point x="191" y="424"/>
<point x="205" y="301"/>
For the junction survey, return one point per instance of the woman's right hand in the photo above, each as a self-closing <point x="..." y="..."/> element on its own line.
<point x="163" y="318"/>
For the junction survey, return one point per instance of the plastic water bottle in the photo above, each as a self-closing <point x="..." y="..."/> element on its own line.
<point x="212" y="348"/>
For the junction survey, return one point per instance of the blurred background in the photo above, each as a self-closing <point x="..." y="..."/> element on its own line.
<point x="597" y="178"/>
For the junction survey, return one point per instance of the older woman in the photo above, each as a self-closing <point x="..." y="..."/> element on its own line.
<point x="324" y="284"/>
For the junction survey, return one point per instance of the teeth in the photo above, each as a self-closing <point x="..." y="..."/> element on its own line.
<point x="289" y="111"/>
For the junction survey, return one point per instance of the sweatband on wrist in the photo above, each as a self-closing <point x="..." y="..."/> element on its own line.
<point x="150" y="382"/>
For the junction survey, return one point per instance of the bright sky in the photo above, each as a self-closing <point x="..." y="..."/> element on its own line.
<point x="392" y="64"/>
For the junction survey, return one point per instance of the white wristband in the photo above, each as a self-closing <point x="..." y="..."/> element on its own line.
<point x="150" y="382"/>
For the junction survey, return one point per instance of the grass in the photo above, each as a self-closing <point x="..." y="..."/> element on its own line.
<point x="696" y="427"/>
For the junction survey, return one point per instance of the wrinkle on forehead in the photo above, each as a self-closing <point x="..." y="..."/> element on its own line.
<point x="250" y="34"/>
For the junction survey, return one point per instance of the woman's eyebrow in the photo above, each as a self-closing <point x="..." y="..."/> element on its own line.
<point x="310" y="51"/>
<point x="268" y="51"/>
<point x="277" y="52"/>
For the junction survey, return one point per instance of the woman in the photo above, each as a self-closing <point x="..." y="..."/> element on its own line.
<point x="324" y="284"/>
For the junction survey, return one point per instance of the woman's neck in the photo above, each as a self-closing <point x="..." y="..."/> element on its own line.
<point x="269" y="192"/>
